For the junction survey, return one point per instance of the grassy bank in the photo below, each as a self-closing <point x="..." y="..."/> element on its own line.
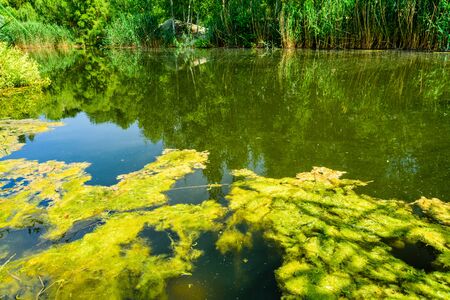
<point x="317" y="24"/>
<point x="37" y="35"/>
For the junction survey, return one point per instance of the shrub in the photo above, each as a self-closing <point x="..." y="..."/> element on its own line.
<point x="18" y="70"/>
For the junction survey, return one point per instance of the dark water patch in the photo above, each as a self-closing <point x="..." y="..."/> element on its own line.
<point x="80" y="229"/>
<point x="418" y="255"/>
<point x="160" y="242"/>
<point x="9" y="186"/>
<point x="195" y="188"/>
<point x="19" y="242"/>
<point x="191" y="189"/>
<point x="45" y="203"/>
<point x="245" y="275"/>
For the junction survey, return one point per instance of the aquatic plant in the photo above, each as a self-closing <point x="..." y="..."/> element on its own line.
<point x="335" y="242"/>
<point x="113" y="262"/>
<point x="11" y="132"/>
<point x="73" y="201"/>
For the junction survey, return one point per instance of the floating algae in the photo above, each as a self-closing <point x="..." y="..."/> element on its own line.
<point x="113" y="262"/>
<point x="434" y="209"/>
<point x="335" y="243"/>
<point x="12" y="130"/>
<point x="63" y="185"/>
<point x="334" y="240"/>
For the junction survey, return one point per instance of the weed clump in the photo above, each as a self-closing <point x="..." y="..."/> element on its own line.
<point x="113" y="262"/>
<point x="73" y="201"/>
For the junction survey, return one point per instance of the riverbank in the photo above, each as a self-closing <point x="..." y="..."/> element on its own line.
<point x="323" y="24"/>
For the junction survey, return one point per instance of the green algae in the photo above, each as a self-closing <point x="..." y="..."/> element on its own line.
<point x="334" y="241"/>
<point x="11" y="130"/>
<point x="435" y="209"/>
<point x="113" y="262"/>
<point x="73" y="201"/>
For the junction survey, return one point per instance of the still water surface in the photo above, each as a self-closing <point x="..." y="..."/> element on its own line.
<point x="380" y="116"/>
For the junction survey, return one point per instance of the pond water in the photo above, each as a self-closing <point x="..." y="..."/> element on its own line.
<point x="380" y="116"/>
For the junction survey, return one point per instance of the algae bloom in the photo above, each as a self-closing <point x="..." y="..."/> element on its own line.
<point x="334" y="242"/>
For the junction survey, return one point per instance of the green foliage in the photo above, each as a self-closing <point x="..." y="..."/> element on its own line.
<point x="406" y="24"/>
<point x="18" y="70"/>
<point x="132" y="30"/>
<point x="36" y="34"/>
<point x="87" y="19"/>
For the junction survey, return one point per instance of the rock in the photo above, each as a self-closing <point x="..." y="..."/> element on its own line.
<point x="181" y="28"/>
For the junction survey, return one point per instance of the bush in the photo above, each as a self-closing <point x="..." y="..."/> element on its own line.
<point x="18" y="70"/>
<point x="123" y="32"/>
<point x="133" y="30"/>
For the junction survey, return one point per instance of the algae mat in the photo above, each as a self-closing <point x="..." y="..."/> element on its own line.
<point x="335" y="243"/>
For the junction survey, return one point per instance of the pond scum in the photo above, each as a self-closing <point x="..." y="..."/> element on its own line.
<point x="334" y="242"/>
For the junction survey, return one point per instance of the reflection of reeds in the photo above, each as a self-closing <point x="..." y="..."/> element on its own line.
<point x="370" y="81"/>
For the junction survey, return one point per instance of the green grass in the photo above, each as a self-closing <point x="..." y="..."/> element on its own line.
<point x="132" y="31"/>
<point x="36" y="34"/>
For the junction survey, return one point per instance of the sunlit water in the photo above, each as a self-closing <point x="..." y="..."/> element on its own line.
<point x="380" y="116"/>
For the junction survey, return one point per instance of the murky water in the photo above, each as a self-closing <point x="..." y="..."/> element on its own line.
<point x="380" y="116"/>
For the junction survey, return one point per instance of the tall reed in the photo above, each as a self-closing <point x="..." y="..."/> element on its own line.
<point x="367" y="24"/>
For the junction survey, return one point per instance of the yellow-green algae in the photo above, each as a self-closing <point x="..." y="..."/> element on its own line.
<point x="113" y="262"/>
<point x="73" y="201"/>
<point x="11" y="130"/>
<point x="434" y="209"/>
<point x="334" y="241"/>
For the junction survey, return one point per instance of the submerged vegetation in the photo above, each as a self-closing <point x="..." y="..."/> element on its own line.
<point x="406" y="24"/>
<point x="334" y="241"/>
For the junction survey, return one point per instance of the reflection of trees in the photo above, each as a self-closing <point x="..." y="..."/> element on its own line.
<point x="346" y="110"/>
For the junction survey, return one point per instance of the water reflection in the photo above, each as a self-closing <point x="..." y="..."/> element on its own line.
<point x="382" y="116"/>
